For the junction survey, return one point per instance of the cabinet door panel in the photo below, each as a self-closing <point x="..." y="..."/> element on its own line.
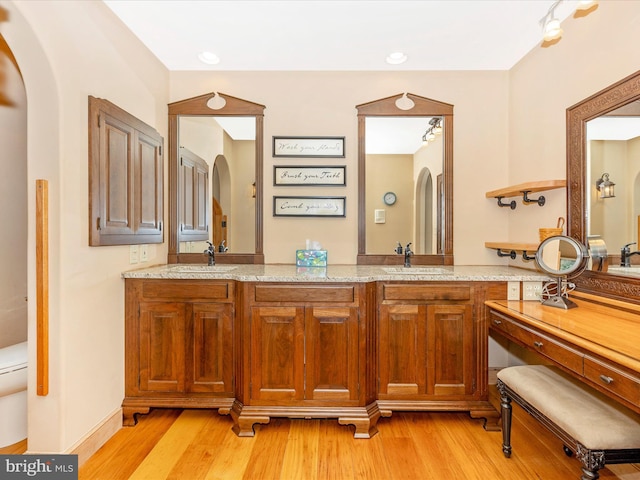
<point x="450" y="349"/>
<point x="210" y="349"/>
<point x="277" y="353"/>
<point x="402" y="349"/>
<point x="331" y="340"/>
<point x="162" y="338"/>
<point x="149" y="176"/>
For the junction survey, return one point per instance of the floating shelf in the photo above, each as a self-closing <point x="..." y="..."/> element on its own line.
<point x="525" y="189"/>
<point x="511" y="249"/>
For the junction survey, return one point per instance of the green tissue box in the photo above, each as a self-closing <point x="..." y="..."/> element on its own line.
<point x="311" y="258"/>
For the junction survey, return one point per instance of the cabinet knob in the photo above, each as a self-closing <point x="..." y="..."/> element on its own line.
<point x="538" y="344"/>
<point x="497" y="322"/>
<point x="605" y="379"/>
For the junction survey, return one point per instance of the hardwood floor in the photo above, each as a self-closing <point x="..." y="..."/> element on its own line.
<point x="199" y="444"/>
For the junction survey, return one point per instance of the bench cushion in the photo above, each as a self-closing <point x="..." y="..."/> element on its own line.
<point x="591" y="418"/>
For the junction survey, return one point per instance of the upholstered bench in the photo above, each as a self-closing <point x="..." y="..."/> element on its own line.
<point x="596" y="428"/>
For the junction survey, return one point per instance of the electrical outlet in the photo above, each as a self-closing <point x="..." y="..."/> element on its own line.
<point x="531" y="290"/>
<point x="134" y="253"/>
<point x="513" y="290"/>
<point x="144" y="253"/>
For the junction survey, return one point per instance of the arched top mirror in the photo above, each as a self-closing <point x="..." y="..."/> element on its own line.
<point x="588" y="155"/>
<point x="561" y="257"/>
<point x="215" y="179"/>
<point x="405" y="153"/>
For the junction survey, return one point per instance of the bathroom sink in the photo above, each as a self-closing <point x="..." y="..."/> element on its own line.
<point x="415" y="270"/>
<point x="202" y="268"/>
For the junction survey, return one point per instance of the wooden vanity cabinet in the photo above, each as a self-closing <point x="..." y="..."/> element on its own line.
<point x="432" y="350"/>
<point x="306" y="355"/>
<point x="178" y="345"/>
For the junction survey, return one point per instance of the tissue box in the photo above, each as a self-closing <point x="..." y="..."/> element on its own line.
<point x="311" y="258"/>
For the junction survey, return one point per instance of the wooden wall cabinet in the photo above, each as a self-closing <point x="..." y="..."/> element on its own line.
<point x="306" y="354"/>
<point x="179" y="345"/>
<point x="125" y="178"/>
<point x="432" y="347"/>
<point x="193" y="202"/>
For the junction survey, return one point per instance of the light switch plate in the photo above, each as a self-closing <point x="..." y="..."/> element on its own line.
<point x="144" y="253"/>
<point x="380" y="215"/>
<point x="513" y="290"/>
<point x="134" y="253"/>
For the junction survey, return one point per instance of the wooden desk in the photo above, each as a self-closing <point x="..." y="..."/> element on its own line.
<point x="598" y="342"/>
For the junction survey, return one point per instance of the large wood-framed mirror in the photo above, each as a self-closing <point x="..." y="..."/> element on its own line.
<point x="215" y="179"/>
<point x="418" y="171"/>
<point x="588" y="156"/>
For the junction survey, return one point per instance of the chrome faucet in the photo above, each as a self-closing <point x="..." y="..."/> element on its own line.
<point x="407" y="255"/>
<point x="626" y="254"/>
<point x="222" y="248"/>
<point x="211" y="251"/>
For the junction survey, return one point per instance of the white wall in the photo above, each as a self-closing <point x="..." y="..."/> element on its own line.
<point x="66" y="51"/>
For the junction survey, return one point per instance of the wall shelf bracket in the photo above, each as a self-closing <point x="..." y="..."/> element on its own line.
<point x="527" y="257"/>
<point x="511" y="204"/>
<point x="525" y="199"/>
<point x="511" y="254"/>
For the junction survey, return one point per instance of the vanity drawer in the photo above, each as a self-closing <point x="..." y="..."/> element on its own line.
<point x="304" y="293"/>
<point x="181" y="290"/>
<point x="612" y="379"/>
<point x="427" y="292"/>
<point x="547" y="346"/>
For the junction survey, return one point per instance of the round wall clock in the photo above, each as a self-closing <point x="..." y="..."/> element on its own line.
<point x="389" y="198"/>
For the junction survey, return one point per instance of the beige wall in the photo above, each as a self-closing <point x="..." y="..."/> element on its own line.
<point x="323" y="103"/>
<point x="594" y="52"/>
<point x="509" y="128"/>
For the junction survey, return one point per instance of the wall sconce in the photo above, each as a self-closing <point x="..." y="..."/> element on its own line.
<point x="605" y="186"/>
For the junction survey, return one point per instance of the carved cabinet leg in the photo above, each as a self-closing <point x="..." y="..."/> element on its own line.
<point x="129" y="415"/>
<point x="243" y="424"/>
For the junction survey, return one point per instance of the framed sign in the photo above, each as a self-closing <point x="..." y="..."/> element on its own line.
<point x="325" y="147"/>
<point x="309" y="206"/>
<point x="302" y="176"/>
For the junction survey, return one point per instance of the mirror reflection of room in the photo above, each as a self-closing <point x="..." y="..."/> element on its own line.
<point x="217" y="156"/>
<point x="613" y="153"/>
<point x="404" y="157"/>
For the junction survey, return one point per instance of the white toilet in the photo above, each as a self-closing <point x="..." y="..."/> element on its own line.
<point x="13" y="394"/>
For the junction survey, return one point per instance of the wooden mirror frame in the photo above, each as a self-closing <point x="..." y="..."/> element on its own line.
<point x="194" y="107"/>
<point x="423" y="107"/>
<point x="605" y="101"/>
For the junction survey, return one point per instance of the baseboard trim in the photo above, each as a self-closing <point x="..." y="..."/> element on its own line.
<point x="97" y="437"/>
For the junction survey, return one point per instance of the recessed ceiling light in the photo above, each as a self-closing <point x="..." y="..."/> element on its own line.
<point x="208" y="58"/>
<point x="396" y="58"/>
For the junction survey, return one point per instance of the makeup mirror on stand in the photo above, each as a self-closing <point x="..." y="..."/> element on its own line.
<point x="564" y="258"/>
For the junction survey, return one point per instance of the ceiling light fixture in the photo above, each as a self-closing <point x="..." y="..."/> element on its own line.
<point x="551" y="29"/>
<point x="434" y="128"/>
<point x="396" y="58"/>
<point x="209" y="58"/>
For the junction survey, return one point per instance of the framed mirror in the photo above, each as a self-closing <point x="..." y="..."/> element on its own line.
<point x="587" y="157"/>
<point x="215" y="179"/>
<point x="405" y="180"/>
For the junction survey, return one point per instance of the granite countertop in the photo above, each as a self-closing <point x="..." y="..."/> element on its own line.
<point x="336" y="273"/>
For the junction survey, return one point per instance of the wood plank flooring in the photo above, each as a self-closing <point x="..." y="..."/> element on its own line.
<point x="199" y="444"/>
